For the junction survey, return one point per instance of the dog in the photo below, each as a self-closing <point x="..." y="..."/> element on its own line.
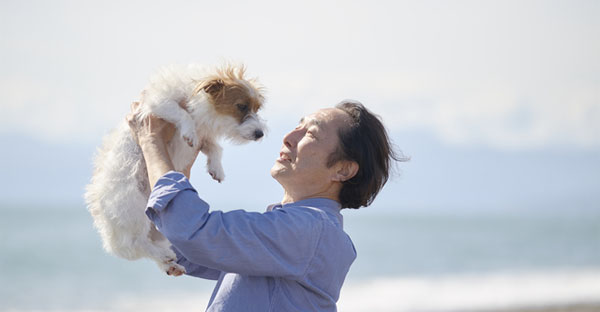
<point x="205" y="106"/>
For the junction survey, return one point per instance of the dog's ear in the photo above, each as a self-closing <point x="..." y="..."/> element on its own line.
<point x="214" y="87"/>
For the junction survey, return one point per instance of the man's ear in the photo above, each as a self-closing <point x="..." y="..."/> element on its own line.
<point x="345" y="170"/>
<point x="214" y="87"/>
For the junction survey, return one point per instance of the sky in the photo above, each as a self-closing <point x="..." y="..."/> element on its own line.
<point x="497" y="103"/>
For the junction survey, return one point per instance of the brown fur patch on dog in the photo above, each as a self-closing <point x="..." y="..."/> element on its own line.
<point x="231" y="93"/>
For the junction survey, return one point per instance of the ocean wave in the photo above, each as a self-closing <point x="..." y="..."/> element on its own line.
<point x="473" y="292"/>
<point x="450" y="293"/>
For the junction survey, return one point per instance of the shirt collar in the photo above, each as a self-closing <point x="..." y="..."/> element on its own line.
<point x="330" y="206"/>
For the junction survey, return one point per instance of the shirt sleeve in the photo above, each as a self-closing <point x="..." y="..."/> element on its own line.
<point x="194" y="269"/>
<point x="281" y="242"/>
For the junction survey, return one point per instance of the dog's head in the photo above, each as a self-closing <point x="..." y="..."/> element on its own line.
<point x="235" y="96"/>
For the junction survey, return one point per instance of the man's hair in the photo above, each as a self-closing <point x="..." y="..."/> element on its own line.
<point x="366" y="142"/>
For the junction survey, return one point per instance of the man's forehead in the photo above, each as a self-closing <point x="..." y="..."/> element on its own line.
<point x="310" y="119"/>
<point x="322" y="116"/>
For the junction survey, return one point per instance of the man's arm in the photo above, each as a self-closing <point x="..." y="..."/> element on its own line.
<point x="276" y="243"/>
<point x="157" y="160"/>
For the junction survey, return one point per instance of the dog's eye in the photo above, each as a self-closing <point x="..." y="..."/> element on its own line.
<point x="242" y="107"/>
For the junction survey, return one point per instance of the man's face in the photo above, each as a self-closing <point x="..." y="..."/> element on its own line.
<point x="302" y="161"/>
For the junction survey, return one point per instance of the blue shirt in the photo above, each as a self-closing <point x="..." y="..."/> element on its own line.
<point x="293" y="257"/>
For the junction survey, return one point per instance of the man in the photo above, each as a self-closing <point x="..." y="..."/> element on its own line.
<point x="295" y="256"/>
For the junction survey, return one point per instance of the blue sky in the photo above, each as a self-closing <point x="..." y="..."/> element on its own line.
<point x="496" y="102"/>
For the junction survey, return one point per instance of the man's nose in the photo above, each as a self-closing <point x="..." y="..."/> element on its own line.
<point x="290" y="140"/>
<point x="286" y="141"/>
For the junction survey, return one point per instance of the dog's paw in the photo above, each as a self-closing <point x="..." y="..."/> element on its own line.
<point x="175" y="269"/>
<point x="216" y="172"/>
<point x="189" y="134"/>
<point x="191" y="139"/>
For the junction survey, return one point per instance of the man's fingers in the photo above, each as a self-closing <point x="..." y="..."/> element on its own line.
<point x="131" y="120"/>
<point x="131" y="117"/>
<point x="134" y="105"/>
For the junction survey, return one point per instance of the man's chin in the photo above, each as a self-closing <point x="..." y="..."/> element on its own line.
<point x="278" y="170"/>
<point x="275" y="170"/>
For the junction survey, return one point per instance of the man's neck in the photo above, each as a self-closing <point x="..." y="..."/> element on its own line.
<point x="292" y="197"/>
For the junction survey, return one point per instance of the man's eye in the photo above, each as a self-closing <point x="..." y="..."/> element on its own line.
<point x="242" y="107"/>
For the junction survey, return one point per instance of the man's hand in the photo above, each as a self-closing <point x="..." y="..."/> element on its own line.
<point x="152" y="135"/>
<point x="151" y="129"/>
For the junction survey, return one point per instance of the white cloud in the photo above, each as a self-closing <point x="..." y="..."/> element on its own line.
<point x="503" y="74"/>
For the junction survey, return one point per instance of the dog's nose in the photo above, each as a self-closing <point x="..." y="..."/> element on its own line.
<point x="258" y="134"/>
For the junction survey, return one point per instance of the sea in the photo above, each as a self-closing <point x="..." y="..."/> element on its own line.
<point x="51" y="259"/>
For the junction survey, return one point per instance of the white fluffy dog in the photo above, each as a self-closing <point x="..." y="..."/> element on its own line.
<point x="204" y="106"/>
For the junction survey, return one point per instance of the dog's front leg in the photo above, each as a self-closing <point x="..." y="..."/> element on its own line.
<point x="173" y="112"/>
<point x="213" y="152"/>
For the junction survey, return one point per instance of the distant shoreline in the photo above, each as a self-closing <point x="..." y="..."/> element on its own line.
<point x="576" y="307"/>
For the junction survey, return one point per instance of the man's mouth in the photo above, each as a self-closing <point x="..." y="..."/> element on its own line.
<point x="284" y="157"/>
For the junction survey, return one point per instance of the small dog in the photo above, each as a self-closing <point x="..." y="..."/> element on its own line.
<point x="204" y="106"/>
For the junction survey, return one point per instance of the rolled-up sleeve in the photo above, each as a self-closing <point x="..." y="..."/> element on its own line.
<point x="276" y="243"/>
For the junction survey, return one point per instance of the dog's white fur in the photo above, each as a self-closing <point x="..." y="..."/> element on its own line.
<point x="119" y="189"/>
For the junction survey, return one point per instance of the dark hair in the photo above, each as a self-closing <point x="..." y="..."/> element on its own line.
<point x="366" y="142"/>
